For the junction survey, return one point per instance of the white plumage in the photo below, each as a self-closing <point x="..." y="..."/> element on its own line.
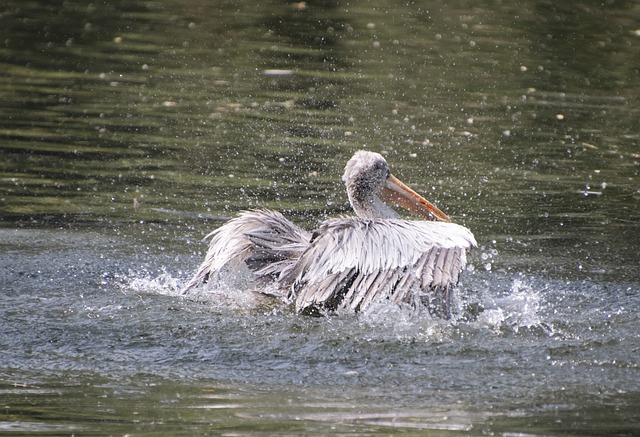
<point x="349" y="263"/>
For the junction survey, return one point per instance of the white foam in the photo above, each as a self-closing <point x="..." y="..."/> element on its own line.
<point x="519" y="308"/>
<point x="402" y="322"/>
<point x="144" y="282"/>
<point x="225" y="294"/>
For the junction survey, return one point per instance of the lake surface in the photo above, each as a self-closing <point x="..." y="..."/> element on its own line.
<point x="129" y="130"/>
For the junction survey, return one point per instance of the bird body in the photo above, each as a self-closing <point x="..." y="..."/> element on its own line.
<point x="349" y="263"/>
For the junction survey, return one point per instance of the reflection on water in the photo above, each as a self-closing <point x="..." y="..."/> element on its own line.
<point x="520" y="121"/>
<point x="113" y="111"/>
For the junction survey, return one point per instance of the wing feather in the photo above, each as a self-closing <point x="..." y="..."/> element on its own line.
<point x="365" y="288"/>
<point x="404" y="286"/>
<point x="353" y="262"/>
<point x="427" y="264"/>
<point x="264" y="240"/>
<point x="439" y="266"/>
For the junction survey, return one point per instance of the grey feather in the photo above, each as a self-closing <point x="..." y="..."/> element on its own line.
<point x="347" y="263"/>
<point x="386" y="258"/>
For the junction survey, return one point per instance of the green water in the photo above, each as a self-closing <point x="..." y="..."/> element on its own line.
<point x="501" y="114"/>
<point x="120" y="121"/>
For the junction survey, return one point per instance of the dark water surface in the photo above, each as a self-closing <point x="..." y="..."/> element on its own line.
<point x="122" y="121"/>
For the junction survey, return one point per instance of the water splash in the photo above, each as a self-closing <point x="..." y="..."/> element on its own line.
<point x="519" y="308"/>
<point x="231" y="295"/>
<point x="488" y="304"/>
<point x="404" y="323"/>
<point x="147" y="283"/>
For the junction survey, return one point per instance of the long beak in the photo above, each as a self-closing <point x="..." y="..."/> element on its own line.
<point x="397" y="193"/>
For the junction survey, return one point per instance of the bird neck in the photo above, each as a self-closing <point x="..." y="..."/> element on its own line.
<point x="372" y="207"/>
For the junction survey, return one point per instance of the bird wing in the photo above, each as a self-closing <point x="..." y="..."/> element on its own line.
<point x="264" y="240"/>
<point x="352" y="262"/>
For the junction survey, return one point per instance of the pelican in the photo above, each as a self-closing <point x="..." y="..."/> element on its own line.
<point x="349" y="263"/>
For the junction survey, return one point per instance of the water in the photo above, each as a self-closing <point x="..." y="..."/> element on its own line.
<point x="518" y="121"/>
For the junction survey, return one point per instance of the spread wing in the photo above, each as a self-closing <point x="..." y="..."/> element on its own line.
<point x="352" y="262"/>
<point x="264" y="240"/>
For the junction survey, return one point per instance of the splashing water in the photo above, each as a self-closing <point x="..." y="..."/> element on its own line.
<point x="483" y="305"/>
<point x="164" y="284"/>
<point x="230" y="294"/>
<point x="520" y="308"/>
